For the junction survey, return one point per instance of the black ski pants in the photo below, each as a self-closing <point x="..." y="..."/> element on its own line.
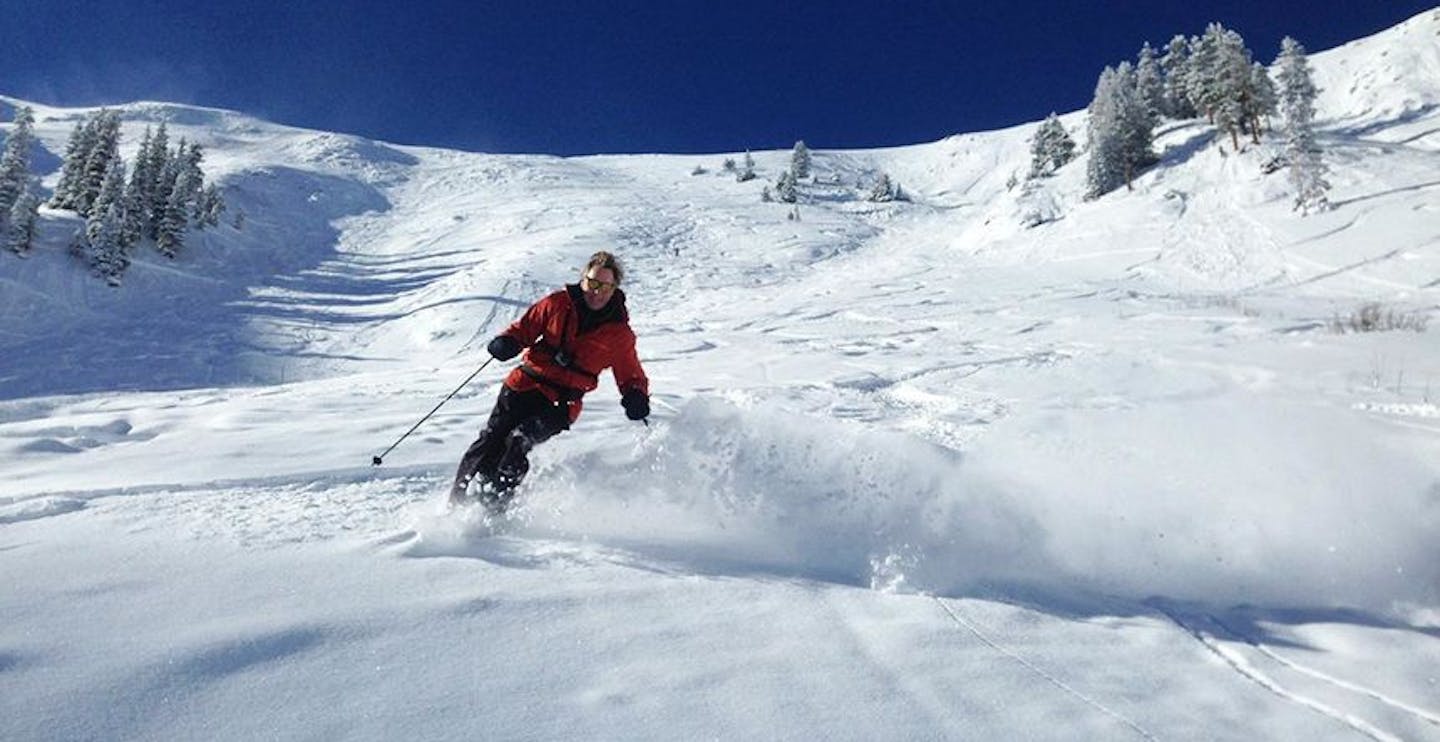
<point x="519" y="421"/>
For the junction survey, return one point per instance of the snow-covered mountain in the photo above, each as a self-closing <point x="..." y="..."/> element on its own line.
<point x="916" y="470"/>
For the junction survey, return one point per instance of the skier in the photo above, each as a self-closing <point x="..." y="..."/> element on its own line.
<point x="569" y="337"/>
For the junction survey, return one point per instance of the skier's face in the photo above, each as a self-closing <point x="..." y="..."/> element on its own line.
<point x="598" y="285"/>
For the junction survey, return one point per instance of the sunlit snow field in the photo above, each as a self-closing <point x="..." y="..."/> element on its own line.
<point x="915" y="470"/>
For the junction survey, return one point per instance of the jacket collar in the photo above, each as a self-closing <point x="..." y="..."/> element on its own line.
<point x="613" y="311"/>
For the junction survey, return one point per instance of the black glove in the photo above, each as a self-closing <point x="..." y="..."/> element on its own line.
<point x="503" y="347"/>
<point x="636" y="404"/>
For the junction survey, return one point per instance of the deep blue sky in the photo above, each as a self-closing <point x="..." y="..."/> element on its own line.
<point x="622" y="76"/>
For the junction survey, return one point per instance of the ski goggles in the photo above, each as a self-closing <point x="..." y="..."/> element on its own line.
<point x="595" y="284"/>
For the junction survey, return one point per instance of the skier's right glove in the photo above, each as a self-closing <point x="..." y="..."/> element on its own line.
<point x="636" y="404"/>
<point x="504" y="347"/>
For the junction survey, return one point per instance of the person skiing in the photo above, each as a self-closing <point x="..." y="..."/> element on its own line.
<point x="569" y="337"/>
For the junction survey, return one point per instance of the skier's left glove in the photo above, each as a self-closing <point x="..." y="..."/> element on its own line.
<point x="636" y="404"/>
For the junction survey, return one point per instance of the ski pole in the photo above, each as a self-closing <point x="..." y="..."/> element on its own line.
<point x="378" y="460"/>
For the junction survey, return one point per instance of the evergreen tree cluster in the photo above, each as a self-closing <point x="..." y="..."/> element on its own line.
<point x="1121" y="132"/>
<point x="1212" y="75"/>
<point x="19" y="206"/>
<point x="159" y="197"/>
<point x="1218" y="77"/>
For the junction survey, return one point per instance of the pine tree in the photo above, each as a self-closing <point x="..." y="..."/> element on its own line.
<point x="102" y="241"/>
<point x="785" y="189"/>
<point x="106" y="255"/>
<point x="1297" y="109"/>
<point x="111" y="194"/>
<point x="105" y="149"/>
<point x="111" y="190"/>
<point x="1150" y="84"/>
<point x="1051" y="148"/>
<point x="161" y="197"/>
<point x="1120" y="132"/>
<point x="1105" y="170"/>
<point x="747" y="170"/>
<point x="23" y="215"/>
<point x="1230" y="84"/>
<point x="15" y="162"/>
<point x="137" y="192"/>
<point x="77" y="149"/>
<point x="191" y="179"/>
<point x="159" y="178"/>
<point x="1203" y="51"/>
<point x="209" y="208"/>
<point x="170" y="231"/>
<point x="1175" y="66"/>
<point x="800" y="161"/>
<point x="1263" y="99"/>
<point x="883" y="190"/>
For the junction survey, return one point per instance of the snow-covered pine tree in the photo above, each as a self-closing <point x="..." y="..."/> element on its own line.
<point x="1138" y="129"/>
<point x="159" y="179"/>
<point x="1120" y="132"/>
<point x="105" y="149"/>
<point x="882" y="191"/>
<point x="1297" y="110"/>
<point x="160" y="198"/>
<point x="1230" y="84"/>
<point x="1150" y="84"/>
<point x="1199" y="74"/>
<point x="191" y="179"/>
<point x="785" y="189"/>
<point x="174" y="217"/>
<point x="747" y="169"/>
<point x="109" y="199"/>
<point x="1105" y="170"/>
<point x="107" y="257"/>
<point x="800" y="161"/>
<point x="137" y="192"/>
<point x="1051" y="148"/>
<point x="1263" y="100"/>
<point x="15" y="162"/>
<point x="135" y="219"/>
<point x="20" y="231"/>
<point x="100" y="242"/>
<point x="209" y="208"/>
<point x="72" y="170"/>
<point x="1175" y="65"/>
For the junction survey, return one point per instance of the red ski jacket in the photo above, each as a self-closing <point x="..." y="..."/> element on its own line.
<point x="559" y="328"/>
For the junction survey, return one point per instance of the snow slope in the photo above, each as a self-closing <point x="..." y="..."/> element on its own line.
<point x="916" y="470"/>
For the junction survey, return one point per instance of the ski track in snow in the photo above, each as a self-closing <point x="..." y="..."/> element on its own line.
<point x="954" y="614"/>
<point x="1237" y="661"/>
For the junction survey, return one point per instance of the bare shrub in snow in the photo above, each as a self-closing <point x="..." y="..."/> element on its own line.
<point x="1373" y="317"/>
